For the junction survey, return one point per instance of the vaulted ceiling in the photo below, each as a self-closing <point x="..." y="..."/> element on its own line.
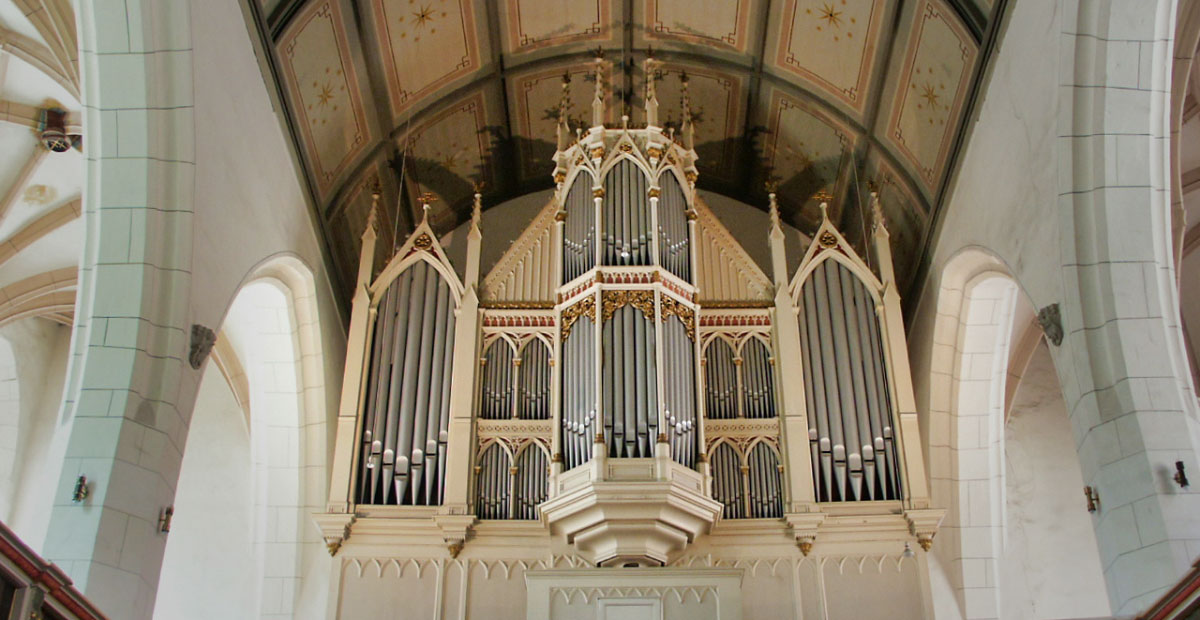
<point x="41" y="233"/>
<point x="817" y="95"/>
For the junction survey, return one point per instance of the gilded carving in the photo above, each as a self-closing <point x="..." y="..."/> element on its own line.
<point x="614" y="300"/>
<point x="670" y="307"/>
<point x="827" y="240"/>
<point x="424" y="242"/>
<point x="585" y="307"/>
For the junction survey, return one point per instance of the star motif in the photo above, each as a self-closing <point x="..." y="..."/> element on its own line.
<point x="325" y="95"/>
<point x="929" y="94"/>
<point x="423" y="16"/>
<point x="831" y="16"/>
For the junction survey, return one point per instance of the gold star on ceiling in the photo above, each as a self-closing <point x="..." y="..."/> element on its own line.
<point x="929" y="94"/>
<point x="325" y="95"/>
<point x="831" y="16"/>
<point x="423" y="16"/>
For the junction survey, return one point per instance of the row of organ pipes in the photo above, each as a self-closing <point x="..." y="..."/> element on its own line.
<point x="505" y="491"/>
<point x="739" y="387"/>
<point x="515" y="387"/>
<point x="852" y="440"/>
<point x="631" y="368"/>
<point x="407" y="404"/>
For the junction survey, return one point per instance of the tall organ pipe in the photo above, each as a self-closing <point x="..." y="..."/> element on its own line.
<point x="578" y="251"/>
<point x="626" y="222"/>
<point x="407" y="404"/>
<point x="765" y="492"/>
<point x="496" y="403"/>
<point x="680" y="396"/>
<point x="491" y="484"/>
<point x="534" y="394"/>
<point x="531" y="483"/>
<point x="721" y="396"/>
<point x="630" y="403"/>
<point x="758" y="386"/>
<point x="674" y="245"/>
<point x="847" y="388"/>
<point x="578" y="412"/>
<point x="727" y="481"/>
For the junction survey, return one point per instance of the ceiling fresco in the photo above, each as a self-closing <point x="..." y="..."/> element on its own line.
<point x="443" y="98"/>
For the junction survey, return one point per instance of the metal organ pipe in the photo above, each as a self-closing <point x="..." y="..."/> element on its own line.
<point x="674" y="249"/>
<point x="496" y="403"/>
<point x="721" y="396"/>
<point x="758" y="386"/>
<point x="626" y="219"/>
<point x="578" y="252"/>
<point x="408" y="394"/>
<point x="579" y="424"/>
<point x="530" y="483"/>
<point x="491" y="484"/>
<point x="534" y="393"/>
<point x="765" y="492"/>
<point x="680" y="397"/>
<point x="847" y="388"/>
<point x="727" y="481"/>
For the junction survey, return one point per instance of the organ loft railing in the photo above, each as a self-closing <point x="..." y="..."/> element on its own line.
<point x="626" y="339"/>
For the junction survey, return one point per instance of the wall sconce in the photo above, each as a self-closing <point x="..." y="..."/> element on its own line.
<point x="164" y="519"/>
<point x="908" y="552"/>
<point x="81" y="489"/>
<point x="1180" y="477"/>
<point x="1093" y="499"/>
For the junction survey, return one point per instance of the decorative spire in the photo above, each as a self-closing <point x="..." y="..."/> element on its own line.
<point x="563" y="131"/>
<point x="879" y="223"/>
<point x="477" y="208"/>
<point x="689" y="133"/>
<point x="598" y="98"/>
<point x="824" y="197"/>
<point x="651" y="69"/>
<point x="373" y="216"/>
<point x="426" y="199"/>
<point x="774" y="210"/>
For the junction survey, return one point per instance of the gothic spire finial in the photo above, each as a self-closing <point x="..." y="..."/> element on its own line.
<point x="686" y="122"/>
<point x="651" y="69"/>
<point x="598" y="98"/>
<point x="774" y="207"/>
<point x="562" y="130"/>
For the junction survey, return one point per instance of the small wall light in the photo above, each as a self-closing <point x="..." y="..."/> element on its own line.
<point x="1180" y="477"/>
<point x="908" y="552"/>
<point x="164" y="519"/>
<point x="81" y="489"/>
<point x="1093" y="499"/>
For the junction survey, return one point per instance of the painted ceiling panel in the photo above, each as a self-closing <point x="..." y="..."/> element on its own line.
<point x="425" y="45"/>
<point x="934" y="75"/>
<point x="832" y="45"/>
<point x="439" y="96"/>
<point x="533" y="102"/>
<point x="535" y="24"/>
<point x="719" y="23"/>
<point x="323" y="85"/>
<point x="808" y="151"/>
<point x="717" y="103"/>
<point x="449" y="154"/>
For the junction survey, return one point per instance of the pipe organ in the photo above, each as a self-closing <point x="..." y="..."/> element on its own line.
<point x="407" y="401"/>
<point x="627" y="360"/>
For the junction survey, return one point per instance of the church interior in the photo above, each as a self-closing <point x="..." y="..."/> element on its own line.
<point x="599" y="309"/>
